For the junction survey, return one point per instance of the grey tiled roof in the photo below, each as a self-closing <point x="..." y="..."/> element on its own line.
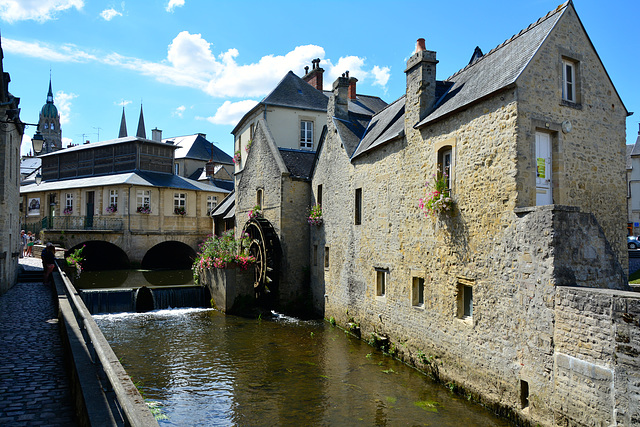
<point x="104" y="144"/>
<point x="226" y="207"/>
<point x="141" y="178"/>
<point x="298" y="162"/>
<point x="495" y="70"/>
<point x="197" y="147"/>
<point x="294" y="92"/>
<point x="384" y="127"/>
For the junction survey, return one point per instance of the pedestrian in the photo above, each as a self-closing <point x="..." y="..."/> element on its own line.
<point x="30" y="242"/>
<point x="48" y="262"/>
<point x="23" y="243"/>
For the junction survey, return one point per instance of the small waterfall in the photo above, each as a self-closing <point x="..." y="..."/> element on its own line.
<point x="144" y="299"/>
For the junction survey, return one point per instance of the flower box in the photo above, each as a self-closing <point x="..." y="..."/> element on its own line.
<point x="143" y="209"/>
<point x="180" y="211"/>
<point x="112" y="209"/>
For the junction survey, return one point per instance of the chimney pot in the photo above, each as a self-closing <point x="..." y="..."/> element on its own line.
<point x="306" y="69"/>
<point x="420" y="46"/>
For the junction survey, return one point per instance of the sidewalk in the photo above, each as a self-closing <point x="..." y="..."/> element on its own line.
<point x="34" y="388"/>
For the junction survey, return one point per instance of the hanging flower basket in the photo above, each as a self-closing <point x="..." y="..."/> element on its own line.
<point x="315" y="215"/>
<point x="256" y="212"/>
<point x="237" y="156"/>
<point x="248" y="147"/>
<point x="437" y="198"/>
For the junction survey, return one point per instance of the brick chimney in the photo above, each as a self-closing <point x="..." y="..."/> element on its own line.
<point x="421" y="83"/>
<point x="339" y="102"/>
<point x="314" y="77"/>
<point x="352" y="88"/>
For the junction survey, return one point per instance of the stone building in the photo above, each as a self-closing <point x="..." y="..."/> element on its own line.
<point x="633" y="187"/>
<point x="11" y="130"/>
<point x="122" y="199"/>
<point x="518" y="294"/>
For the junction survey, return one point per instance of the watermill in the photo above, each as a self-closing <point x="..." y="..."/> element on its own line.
<point x="264" y="245"/>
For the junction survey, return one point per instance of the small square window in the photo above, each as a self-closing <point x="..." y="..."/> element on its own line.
<point x="465" y="301"/>
<point x="417" y="298"/>
<point x="381" y="282"/>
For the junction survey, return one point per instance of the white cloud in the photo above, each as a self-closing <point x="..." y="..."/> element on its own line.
<point x="381" y="75"/>
<point x="179" y="111"/>
<point x="66" y="141"/>
<point x="173" y="4"/>
<point x="191" y="63"/>
<point x="122" y="103"/>
<point x="230" y="113"/>
<point x="36" y="10"/>
<point x="63" y="102"/>
<point x="109" y="14"/>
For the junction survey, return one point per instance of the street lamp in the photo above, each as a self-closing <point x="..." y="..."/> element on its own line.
<point x="38" y="178"/>
<point x="38" y="142"/>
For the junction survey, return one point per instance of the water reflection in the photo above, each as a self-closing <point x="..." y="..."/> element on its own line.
<point x="210" y="369"/>
<point x="132" y="278"/>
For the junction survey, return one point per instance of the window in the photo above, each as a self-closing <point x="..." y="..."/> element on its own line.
<point x="444" y="164"/>
<point x="176" y="168"/>
<point x="465" y="301"/>
<point x="417" y="294"/>
<point x="259" y="197"/>
<point x="306" y="134"/>
<point x="179" y="200"/>
<point x="46" y="125"/>
<point x="381" y="281"/>
<point x="319" y="195"/>
<point x="68" y="203"/>
<point x="212" y="202"/>
<point x="143" y="198"/>
<point x="358" y="207"/>
<point x="568" y="81"/>
<point x="524" y="394"/>
<point x="326" y="257"/>
<point x="53" y="126"/>
<point x="113" y="199"/>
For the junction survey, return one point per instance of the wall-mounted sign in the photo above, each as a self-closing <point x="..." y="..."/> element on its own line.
<point x="541" y="167"/>
<point x="33" y="208"/>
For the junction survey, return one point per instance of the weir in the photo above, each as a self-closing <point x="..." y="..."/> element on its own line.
<point x="143" y="299"/>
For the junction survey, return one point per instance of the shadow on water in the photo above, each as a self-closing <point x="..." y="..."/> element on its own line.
<point x="207" y="368"/>
<point x="132" y="278"/>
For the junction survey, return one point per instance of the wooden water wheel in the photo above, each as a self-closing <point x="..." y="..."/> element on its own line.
<point x="264" y="245"/>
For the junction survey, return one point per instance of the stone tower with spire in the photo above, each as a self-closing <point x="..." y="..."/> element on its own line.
<point x="49" y="125"/>
<point x="123" y="126"/>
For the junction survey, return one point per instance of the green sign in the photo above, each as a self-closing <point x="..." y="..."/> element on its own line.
<point x="541" y="167"/>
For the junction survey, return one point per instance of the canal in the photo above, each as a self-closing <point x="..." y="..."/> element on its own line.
<point x="205" y="368"/>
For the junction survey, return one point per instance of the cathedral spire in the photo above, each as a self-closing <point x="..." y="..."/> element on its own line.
<point x="50" y="94"/>
<point x="141" y="132"/>
<point x="123" y="126"/>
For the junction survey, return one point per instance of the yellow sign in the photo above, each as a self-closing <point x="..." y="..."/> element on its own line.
<point x="541" y="167"/>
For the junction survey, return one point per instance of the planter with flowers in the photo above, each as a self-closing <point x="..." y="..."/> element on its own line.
<point x="437" y="199"/>
<point x="256" y="212"/>
<point x="143" y="209"/>
<point x="112" y="209"/>
<point x="248" y="147"/>
<point x="68" y="211"/>
<point x="237" y="157"/>
<point x="315" y="215"/>
<point x="180" y="210"/>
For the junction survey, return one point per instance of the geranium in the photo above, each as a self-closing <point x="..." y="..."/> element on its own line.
<point x="68" y="210"/>
<point x="315" y="215"/>
<point x="112" y="208"/>
<point x="237" y="157"/>
<point x="256" y="212"/>
<point x="180" y="210"/>
<point x="144" y="209"/>
<point x="248" y="147"/>
<point x="75" y="259"/>
<point x="222" y="252"/>
<point x="437" y="196"/>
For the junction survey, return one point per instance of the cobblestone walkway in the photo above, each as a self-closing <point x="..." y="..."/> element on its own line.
<point x="34" y="387"/>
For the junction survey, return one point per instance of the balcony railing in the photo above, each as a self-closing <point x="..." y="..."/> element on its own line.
<point x="68" y="222"/>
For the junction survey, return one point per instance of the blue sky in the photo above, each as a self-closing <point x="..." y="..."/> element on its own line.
<point x="199" y="65"/>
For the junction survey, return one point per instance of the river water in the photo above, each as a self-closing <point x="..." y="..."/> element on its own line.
<point x="209" y="369"/>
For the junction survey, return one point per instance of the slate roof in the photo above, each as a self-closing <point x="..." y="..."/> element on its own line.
<point x="298" y="162"/>
<point x="383" y="127"/>
<point x="226" y="208"/>
<point x="104" y="144"/>
<point x="198" y="148"/>
<point x="495" y="70"/>
<point x="141" y="178"/>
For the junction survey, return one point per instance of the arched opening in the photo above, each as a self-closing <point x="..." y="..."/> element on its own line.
<point x="169" y="255"/>
<point x="100" y="255"/>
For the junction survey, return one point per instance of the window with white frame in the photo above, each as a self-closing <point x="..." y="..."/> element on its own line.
<point x="68" y="204"/>
<point x="143" y="198"/>
<point x="212" y="202"/>
<point x="306" y="134"/>
<point x="113" y="200"/>
<point x="568" y="81"/>
<point x="179" y="202"/>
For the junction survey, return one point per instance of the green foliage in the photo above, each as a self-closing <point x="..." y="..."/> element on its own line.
<point x="437" y="198"/>
<point x="427" y="405"/>
<point x="315" y="215"/>
<point x="75" y="259"/>
<point x="220" y="251"/>
<point x="332" y="320"/>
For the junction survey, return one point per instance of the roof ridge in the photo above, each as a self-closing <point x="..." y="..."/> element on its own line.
<point x="512" y="38"/>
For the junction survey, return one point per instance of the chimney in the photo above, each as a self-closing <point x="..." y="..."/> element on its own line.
<point x="314" y="77"/>
<point x="156" y="135"/>
<point x="339" y="102"/>
<point x="352" y="88"/>
<point x="421" y="83"/>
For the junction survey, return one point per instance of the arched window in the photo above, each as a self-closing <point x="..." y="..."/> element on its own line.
<point x="53" y="126"/>
<point x="259" y="197"/>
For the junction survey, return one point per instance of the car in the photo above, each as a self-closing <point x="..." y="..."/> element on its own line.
<point x="633" y="242"/>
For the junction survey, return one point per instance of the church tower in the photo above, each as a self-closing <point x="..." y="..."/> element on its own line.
<point x="49" y="125"/>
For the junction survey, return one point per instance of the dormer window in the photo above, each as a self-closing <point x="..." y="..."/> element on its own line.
<point x="306" y="134"/>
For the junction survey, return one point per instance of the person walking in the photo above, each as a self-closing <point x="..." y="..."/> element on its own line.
<point x="30" y="242"/>
<point x="48" y="262"/>
<point x="23" y="243"/>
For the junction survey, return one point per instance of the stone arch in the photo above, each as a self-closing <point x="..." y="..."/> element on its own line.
<point x="170" y="254"/>
<point x="101" y="255"/>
